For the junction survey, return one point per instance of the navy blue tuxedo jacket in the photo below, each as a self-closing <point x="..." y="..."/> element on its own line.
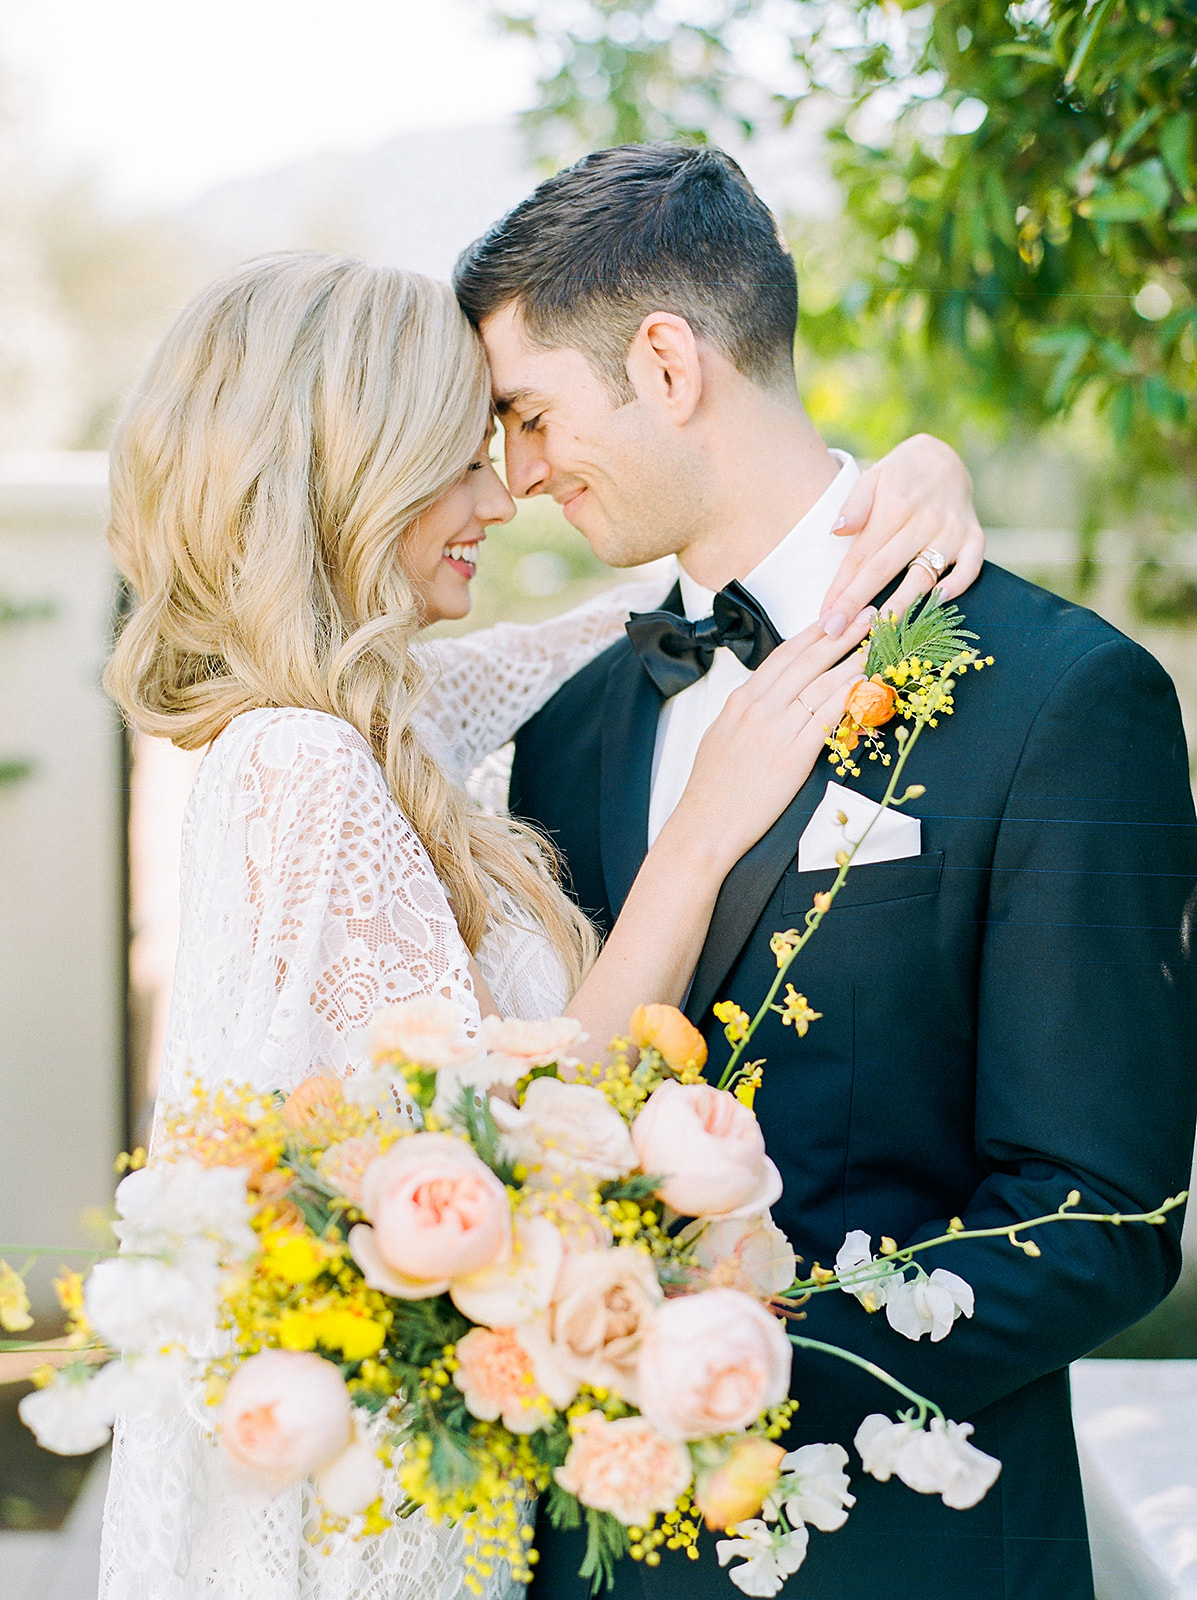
<point x="1007" y="1016"/>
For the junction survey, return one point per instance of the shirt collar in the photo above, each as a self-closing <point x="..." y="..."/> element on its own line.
<point x="792" y="579"/>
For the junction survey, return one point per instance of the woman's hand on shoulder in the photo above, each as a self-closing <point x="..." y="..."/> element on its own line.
<point x="763" y="745"/>
<point x="918" y="497"/>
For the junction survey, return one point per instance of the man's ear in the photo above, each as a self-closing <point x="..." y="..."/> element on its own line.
<point x="664" y="365"/>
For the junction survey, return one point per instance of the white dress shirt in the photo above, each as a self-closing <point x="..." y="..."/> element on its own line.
<point x="790" y="583"/>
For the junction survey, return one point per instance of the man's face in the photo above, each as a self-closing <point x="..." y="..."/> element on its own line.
<point x="613" y="468"/>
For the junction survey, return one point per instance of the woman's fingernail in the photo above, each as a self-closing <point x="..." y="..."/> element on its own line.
<point x="835" y="624"/>
<point x="866" y="615"/>
<point x="840" y="522"/>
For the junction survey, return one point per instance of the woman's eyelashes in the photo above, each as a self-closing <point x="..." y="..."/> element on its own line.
<point x="532" y="423"/>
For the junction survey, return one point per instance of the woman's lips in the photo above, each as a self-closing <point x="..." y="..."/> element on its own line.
<point x="463" y="558"/>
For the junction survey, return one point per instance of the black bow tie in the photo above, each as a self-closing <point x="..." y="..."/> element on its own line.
<point x="676" y="653"/>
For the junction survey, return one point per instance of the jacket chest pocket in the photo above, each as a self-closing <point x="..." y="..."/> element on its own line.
<point x="874" y="883"/>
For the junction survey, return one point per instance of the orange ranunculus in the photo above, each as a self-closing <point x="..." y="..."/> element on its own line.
<point x="664" y="1028"/>
<point x="736" y="1489"/>
<point x="312" y="1102"/>
<point x="872" y="702"/>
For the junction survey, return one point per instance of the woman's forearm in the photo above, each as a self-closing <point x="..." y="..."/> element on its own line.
<point x="652" y="950"/>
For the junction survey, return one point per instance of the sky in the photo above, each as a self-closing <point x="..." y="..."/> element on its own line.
<point x="161" y="100"/>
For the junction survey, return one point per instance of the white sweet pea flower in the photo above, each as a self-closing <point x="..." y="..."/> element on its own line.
<point x="168" y="1206"/>
<point x="880" y="1442"/>
<point x="870" y="1288"/>
<point x="941" y="1461"/>
<point x="138" y="1304"/>
<point x="927" y="1305"/>
<point x="154" y="1384"/>
<point x="813" y="1487"/>
<point x="64" y="1416"/>
<point x="938" y="1460"/>
<point x="770" y="1556"/>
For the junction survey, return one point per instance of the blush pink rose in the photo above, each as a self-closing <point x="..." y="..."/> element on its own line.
<point x="285" y="1414"/>
<point x="709" y="1150"/>
<point x="624" y="1467"/>
<point x="438" y="1213"/>
<point x="711" y="1363"/>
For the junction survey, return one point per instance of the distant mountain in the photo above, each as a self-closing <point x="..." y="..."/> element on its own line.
<point x="417" y="200"/>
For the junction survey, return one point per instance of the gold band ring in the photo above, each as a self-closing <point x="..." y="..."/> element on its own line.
<point x="804" y="706"/>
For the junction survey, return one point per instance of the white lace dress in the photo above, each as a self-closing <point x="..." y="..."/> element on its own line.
<point x="308" y="902"/>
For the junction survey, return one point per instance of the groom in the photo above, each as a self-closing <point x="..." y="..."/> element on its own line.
<point x="1008" y="1013"/>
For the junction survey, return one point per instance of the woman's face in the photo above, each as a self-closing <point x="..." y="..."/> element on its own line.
<point x="441" y="552"/>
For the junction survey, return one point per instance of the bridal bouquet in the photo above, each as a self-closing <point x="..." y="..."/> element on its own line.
<point x="482" y="1272"/>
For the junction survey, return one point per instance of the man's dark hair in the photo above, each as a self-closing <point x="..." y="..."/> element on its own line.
<point x="634" y="229"/>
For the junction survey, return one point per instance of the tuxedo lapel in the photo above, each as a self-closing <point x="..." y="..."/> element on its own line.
<point x="746" y="892"/>
<point x="631" y="709"/>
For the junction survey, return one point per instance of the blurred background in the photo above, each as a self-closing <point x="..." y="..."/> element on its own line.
<point x="993" y="210"/>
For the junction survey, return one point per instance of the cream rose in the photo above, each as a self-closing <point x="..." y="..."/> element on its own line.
<point x="428" y="1030"/>
<point x="710" y="1363"/>
<point x="438" y="1213"/>
<point x="709" y="1151"/>
<point x="748" y="1253"/>
<point x="285" y="1414"/>
<point x="567" y="1127"/>
<point x="514" y="1047"/>
<point x="605" y="1300"/>
<point x="520" y="1286"/>
<point x="624" y="1467"/>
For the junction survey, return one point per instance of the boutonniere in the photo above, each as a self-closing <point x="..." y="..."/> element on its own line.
<point x="911" y="666"/>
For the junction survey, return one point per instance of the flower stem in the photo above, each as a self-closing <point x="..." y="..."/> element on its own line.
<point x="867" y="1272"/>
<point x="815" y="916"/>
<point x="925" y="1406"/>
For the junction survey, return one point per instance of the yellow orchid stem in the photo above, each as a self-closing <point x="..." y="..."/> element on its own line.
<point x="872" y="1369"/>
<point x="815" y="916"/>
<point x="867" y="1273"/>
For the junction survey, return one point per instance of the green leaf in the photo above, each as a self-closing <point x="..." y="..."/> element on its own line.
<point x="1150" y="179"/>
<point x="1184" y="220"/>
<point x="1176" y="148"/>
<point x="1088" y="40"/>
<point x="1122" y="410"/>
<point x="1120" y="204"/>
<point x="606" y="1543"/>
<point x="1135" y="132"/>
<point x="1075" y="350"/>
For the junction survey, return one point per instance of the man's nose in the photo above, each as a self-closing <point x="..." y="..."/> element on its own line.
<point x="527" y="470"/>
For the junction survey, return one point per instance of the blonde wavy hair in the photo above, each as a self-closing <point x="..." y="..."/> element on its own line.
<point x="293" y="425"/>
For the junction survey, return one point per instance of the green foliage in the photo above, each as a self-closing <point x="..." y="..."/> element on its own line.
<point x="615" y="71"/>
<point x="637" y="1186"/>
<point x="929" y="629"/>
<point x="1019" y="239"/>
<point x="1032" y="199"/>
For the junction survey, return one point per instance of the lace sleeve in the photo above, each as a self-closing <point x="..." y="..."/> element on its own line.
<point x="488" y="683"/>
<point x="308" y="902"/>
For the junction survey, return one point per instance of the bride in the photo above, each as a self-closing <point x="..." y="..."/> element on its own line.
<point x="300" y="483"/>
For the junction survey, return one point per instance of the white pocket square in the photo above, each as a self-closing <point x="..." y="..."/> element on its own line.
<point x="892" y="836"/>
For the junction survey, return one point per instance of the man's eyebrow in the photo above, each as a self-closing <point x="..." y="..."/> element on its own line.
<point x="515" y="398"/>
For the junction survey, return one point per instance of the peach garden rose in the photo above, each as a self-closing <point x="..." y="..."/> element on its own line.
<point x="708" y="1149"/>
<point x="285" y="1414"/>
<point x="710" y="1363"/>
<point x="437" y="1212"/>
